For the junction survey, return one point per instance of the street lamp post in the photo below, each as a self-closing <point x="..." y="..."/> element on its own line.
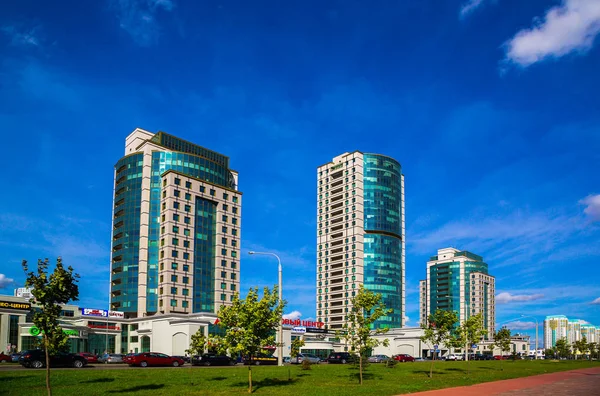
<point x="280" y="354"/>
<point x="536" y="333"/>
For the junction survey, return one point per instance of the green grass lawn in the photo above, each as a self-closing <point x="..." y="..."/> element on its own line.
<point x="322" y="379"/>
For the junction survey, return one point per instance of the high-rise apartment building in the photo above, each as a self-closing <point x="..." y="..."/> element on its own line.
<point x="459" y="281"/>
<point x="557" y="327"/>
<point x="360" y="235"/>
<point x="176" y="228"/>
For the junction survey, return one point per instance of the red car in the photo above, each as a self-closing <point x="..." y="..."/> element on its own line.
<point x="499" y="357"/>
<point x="91" y="358"/>
<point x="403" y="357"/>
<point x="146" y="359"/>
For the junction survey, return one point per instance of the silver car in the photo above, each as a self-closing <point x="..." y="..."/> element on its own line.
<point x="378" y="358"/>
<point x="111" y="358"/>
<point x="305" y="356"/>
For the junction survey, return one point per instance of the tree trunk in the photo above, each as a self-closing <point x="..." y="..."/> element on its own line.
<point x="250" y="378"/>
<point x="360" y="361"/>
<point x="47" y="366"/>
<point x="431" y="367"/>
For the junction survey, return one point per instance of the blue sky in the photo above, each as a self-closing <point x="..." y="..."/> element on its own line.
<point x="491" y="107"/>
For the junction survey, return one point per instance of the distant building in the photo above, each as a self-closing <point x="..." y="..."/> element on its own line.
<point x="557" y="327"/>
<point x="459" y="281"/>
<point x="360" y="236"/>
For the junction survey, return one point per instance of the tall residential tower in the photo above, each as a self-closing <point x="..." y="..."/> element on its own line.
<point x="360" y="235"/>
<point x="176" y="228"/>
<point x="459" y="281"/>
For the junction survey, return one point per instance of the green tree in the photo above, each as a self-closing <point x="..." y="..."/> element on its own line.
<point x="562" y="348"/>
<point x="200" y="343"/>
<point x="592" y="347"/>
<point x="580" y="346"/>
<point x="367" y="307"/>
<point x="438" y="331"/>
<point x="549" y="352"/>
<point x="50" y="291"/>
<point x="295" y="347"/>
<point x="502" y="341"/>
<point x="250" y="324"/>
<point x="470" y="332"/>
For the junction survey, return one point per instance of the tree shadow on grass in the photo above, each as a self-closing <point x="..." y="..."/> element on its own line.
<point x="218" y="378"/>
<point x="456" y="369"/>
<point x="265" y="383"/>
<point x="426" y="372"/>
<point x="98" y="380"/>
<point x="140" y="388"/>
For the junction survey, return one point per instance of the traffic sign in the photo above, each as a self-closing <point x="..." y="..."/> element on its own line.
<point x="435" y="346"/>
<point x="474" y="346"/>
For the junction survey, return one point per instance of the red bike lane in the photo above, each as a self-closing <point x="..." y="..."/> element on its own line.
<point x="572" y="383"/>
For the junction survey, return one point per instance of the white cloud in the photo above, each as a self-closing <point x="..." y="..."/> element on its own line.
<point x="5" y="282"/>
<point x="596" y="301"/>
<point x="570" y="27"/>
<point x="592" y="208"/>
<point x="470" y="6"/>
<point x="293" y="315"/>
<point x="22" y="37"/>
<point x="505" y="298"/>
<point x="518" y="325"/>
<point x="138" y="18"/>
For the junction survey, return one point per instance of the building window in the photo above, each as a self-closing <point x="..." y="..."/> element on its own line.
<point x="234" y="221"/>
<point x="173" y="278"/>
<point x="176" y="193"/>
<point x="202" y="189"/>
<point x="224" y="241"/>
<point x="185" y="292"/>
<point x="175" y="217"/>
<point x="175" y="241"/>
<point x="234" y="243"/>
<point x="233" y="253"/>
<point x="187" y="208"/>
<point x="233" y="265"/>
<point x="173" y="290"/>
<point x="176" y="229"/>
<point x="186" y="280"/>
<point x="223" y="297"/>
<point x="177" y="181"/>
<point x="234" y="210"/>
<point x="223" y="285"/>
<point x="223" y="274"/>
<point x="186" y="256"/>
<point x="187" y="220"/>
<point x="232" y="287"/>
<point x="186" y="244"/>
<point x="188" y="184"/>
<point x="174" y="266"/>
<point x="223" y="263"/>
<point x="224" y="218"/>
<point x="225" y="196"/>
<point x="186" y="267"/>
<point x="174" y="253"/>
<point x="186" y="232"/>
<point x="160" y="291"/>
<point x="184" y="304"/>
<point x="225" y="207"/>
<point x="173" y="303"/>
<point x="234" y="232"/>
<point x="188" y="196"/>
<point x="224" y="252"/>
<point x="212" y="192"/>
<point x="224" y="229"/>
<point x="233" y="276"/>
<point x="235" y="199"/>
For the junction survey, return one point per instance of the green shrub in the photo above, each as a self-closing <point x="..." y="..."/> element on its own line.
<point x="391" y="363"/>
<point x="306" y="364"/>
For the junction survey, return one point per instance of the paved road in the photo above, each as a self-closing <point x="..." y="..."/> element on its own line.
<point x="572" y="383"/>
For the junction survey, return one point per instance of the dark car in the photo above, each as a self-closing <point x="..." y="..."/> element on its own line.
<point x="484" y="357"/>
<point x="260" y="359"/>
<point x="185" y="358"/>
<point x="90" y="357"/>
<point x="403" y="357"/>
<point x="15" y="357"/>
<point x="210" y="359"/>
<point x="340" y="357"/>
<point x="36" y="358"/>
<point x="146" y="359"/>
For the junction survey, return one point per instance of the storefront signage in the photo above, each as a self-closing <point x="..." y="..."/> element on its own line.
<point x="299" y="330"/>
<point x="15" y="305"/>
<point x="103" y="326"/>
<point x="94" y="312"/>
<point x="314" y="330"/>
<point x="35" y="331"/>
<point x="304" y="323"/>
<point x="116" y="314"/>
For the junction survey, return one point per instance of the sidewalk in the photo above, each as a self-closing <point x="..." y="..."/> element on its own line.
<point x="572" y="383"/>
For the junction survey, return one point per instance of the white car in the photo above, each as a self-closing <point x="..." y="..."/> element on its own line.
<point x="305" y="356"/>
<point x="454" y="356"/>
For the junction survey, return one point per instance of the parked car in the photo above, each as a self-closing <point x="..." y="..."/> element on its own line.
<point x="15" y="357"/>
<point x="404" y="357"/>
<point x="452" y="356"/>
<point x="287" y="359"/>
<point x="305" y="356"/>
<point x="378" y="358"/>
<point x="4" y="358"/>
<point x="211" y="359"/>
<point x="419" y="359"/>
<point x="499" y="357"/>
<point x="36" y="358"/>
<point x="484" y="356"/>
<point x="340" y="357"/>
<point x="186" y="359"/>
<point x="146" y="359"/>
<point x="260" y="359"/>
<point x="90" y="357"/>
<point x="111" y="358"/>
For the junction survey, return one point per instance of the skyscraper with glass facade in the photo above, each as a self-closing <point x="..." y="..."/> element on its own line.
<point x="459" y="281"/>
<point x="176" y="228"/>
<point x="360" y="236"/>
